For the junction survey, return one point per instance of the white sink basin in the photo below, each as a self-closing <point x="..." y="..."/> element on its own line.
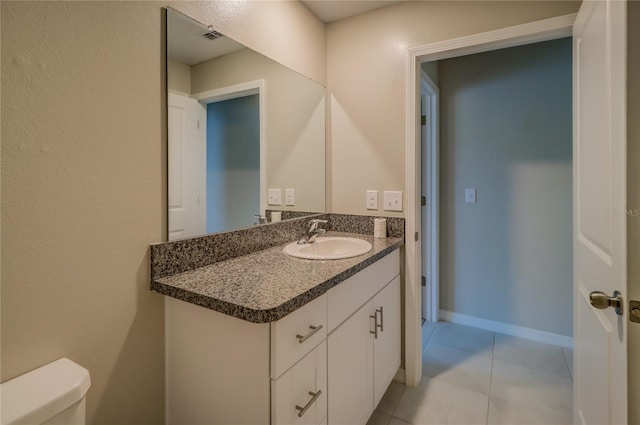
<point x="328" y="248"/>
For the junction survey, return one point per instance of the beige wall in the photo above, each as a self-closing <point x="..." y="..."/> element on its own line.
<point x="505" y="129"/>
<point x="83" y="187"/>
<point x="178" y="77"/>
<point x="366" y="63"/>
<point x="295" y="125"/>
<point x="283" y="30"/>
<point x="633" y="202"/>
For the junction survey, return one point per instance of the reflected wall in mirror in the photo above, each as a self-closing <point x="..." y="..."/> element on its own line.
<point x="239" y="124"/>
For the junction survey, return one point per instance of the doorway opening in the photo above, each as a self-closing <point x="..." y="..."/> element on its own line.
<point x="235" y="155"/>
<point x="504" y="164"/>
<point x="548" y="29"/>
<point x="233" y="163"/>
<point x="217" y="163"/>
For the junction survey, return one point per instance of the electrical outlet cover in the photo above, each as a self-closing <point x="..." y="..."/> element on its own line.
<point x="275" y="196"/>
<point x="392" y="200"/>
<point x="289" y="197"/>
<point x="372" y="199"/>
<point x="470" y="195"/>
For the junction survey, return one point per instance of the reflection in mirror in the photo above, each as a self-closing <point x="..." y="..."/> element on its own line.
<point x="246" y="135"/>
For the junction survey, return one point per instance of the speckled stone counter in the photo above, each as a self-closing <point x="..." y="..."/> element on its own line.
<point x="267" y="285"/>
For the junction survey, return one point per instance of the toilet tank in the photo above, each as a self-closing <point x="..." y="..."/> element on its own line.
<point x="52" y="394"/>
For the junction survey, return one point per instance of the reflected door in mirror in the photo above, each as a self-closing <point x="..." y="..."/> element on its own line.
<point x="187" y="164"/>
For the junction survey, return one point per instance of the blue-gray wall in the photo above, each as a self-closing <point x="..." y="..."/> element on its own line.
<point x="506" y="130"/>
<point x="233" y="163"/>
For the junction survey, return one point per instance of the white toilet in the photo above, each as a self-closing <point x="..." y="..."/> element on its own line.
<point x="51" y="395"/>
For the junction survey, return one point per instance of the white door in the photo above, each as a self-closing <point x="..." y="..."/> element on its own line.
<point x="429" y="100"/>
<point x="599" y="186"/>
<point x="187" y="167"/>
<point x="424" y="219"/>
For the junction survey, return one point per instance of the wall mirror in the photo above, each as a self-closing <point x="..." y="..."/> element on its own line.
<point x="246" y="135"/>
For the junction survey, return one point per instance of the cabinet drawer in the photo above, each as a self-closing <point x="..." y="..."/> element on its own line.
<point x="295" y="335"/>
<point x="300" y="395"/>
<point x="351" y="294"/>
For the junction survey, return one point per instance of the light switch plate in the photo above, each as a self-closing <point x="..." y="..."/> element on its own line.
<point x="289" y="197"/>
<point x="275" y="196"/>
<point x="372" y="199"/>
<point x="470" y="195"/>
<point x="392" y="200"/>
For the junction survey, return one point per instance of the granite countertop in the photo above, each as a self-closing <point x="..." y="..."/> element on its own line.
<point x="267" y="285"/>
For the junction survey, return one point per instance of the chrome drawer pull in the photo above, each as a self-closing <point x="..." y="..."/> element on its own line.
<point x="381" y="319"/>
<point x="313" y="330"/>
<point x="314" y="397"/>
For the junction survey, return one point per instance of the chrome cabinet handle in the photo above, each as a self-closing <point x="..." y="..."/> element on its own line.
<point x="303" y="338"/>
<point x="314" y="397"/>
<point x="375" y="325"/>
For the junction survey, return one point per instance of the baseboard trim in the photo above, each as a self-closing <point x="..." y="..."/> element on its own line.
<point x="505" y="328"/>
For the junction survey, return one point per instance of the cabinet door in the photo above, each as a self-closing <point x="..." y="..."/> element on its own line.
<point x="386" y="347"/>
<point x="303" y="387"/>
<point x="350" y="367"/>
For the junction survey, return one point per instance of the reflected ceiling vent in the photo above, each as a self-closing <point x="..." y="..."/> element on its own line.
<point x="212" y="34"/>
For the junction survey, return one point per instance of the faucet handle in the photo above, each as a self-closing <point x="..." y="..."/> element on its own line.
<point x="313" y="224"/>
<point x="261" y="219"/>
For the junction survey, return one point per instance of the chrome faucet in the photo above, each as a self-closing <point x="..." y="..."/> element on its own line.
<point x="312" y="232"/>
<point x="261" y="219"/>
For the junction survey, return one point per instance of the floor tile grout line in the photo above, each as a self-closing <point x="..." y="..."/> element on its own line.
<point x="431" y="334"/>
<point x="566" y="361"/>
<point x="395" y="405"/>
<point x="493" y="354"/>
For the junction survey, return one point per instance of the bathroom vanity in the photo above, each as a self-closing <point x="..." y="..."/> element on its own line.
<point x="252" y="335"/>
<point x="268" y="338"/>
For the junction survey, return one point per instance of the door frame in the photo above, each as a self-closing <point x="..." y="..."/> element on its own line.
<point x="429" y="89"/>
<point x="240" y="90"/>
<point x="533" y="32"/>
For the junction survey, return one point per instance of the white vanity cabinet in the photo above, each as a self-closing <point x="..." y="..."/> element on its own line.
<point x="328" y="362"/>
<point x="364" y="356"/>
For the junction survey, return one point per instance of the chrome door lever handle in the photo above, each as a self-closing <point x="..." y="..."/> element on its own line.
<point x="602" y="301"/>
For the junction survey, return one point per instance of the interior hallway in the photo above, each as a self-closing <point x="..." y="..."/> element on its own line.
<point x="472" y="376"/>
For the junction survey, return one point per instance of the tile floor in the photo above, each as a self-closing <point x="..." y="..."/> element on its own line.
<point x="476" y="377"/>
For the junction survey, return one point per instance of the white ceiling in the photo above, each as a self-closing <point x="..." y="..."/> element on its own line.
<point x="334" y="10"/>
